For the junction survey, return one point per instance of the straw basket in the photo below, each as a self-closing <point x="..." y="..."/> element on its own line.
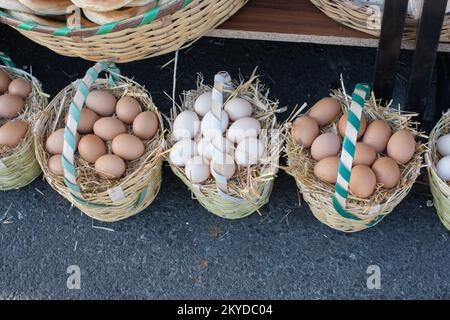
<point x="250" y="187"/>
<point x="354" y="214"/>
<point x="439" y="188"/>
<point x="18" y="165"/>
<point x="100" y="198"/>
<point x="367" y="18"/>
<point x="161" y="30"/>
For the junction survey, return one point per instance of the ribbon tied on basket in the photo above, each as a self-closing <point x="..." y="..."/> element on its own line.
<point x="359" y="96"/>
<point x="68" y="157"/>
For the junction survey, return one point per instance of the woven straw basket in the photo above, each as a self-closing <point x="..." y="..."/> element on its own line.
<point x="164" y="29"/>
<point x="18" y="165"/>
<point x="250" y="187"/>
<point x="366" y="19"/>
<point x="439" y="188"/>
<point x="100" y="198"/>
<point x="357" y="214"/>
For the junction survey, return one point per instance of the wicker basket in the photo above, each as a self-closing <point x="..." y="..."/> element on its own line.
<point x="366" y="19"/>
<point x="163" y="29"/>
<point x="439" y="188"/>
<point x="102" y="199"/>
<point x="359" y="214"/>
<point x="250" y="187"/>
<point x="18" y="166"/>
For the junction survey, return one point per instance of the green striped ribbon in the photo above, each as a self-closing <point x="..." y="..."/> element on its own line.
<point x="7" y="60"/>
<point x="359" y="96"/>
<point x="70" y="131"/>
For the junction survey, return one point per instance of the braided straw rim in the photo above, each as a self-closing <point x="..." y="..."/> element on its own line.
<point x="21" y="165"/>
<point x="439" y="188"/>
<point x="319" y="194"/>
<point x="252" y="185"/>
<point x="360" y="16"/>
<point x="144" y="173"/>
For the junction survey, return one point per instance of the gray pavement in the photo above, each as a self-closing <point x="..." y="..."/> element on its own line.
<point x="176" y="249"/>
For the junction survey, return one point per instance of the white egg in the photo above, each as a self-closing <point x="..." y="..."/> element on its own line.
<point x="203" y="104"/>
<point x="243" y="128"/>
<point x="238" y="108"/>
<point x="211" y="126"/>
<point x="222" y="145"/>
<point x="443" y="145"/>
<point x="204" y="147"/>
<point x="443" y="168"/>
<point x="224" y="167"/>
<point x="182" y="151"/>
<point x="249" y="151"/>
<point x="197" y="169"/>
<point x="186" y="125"/>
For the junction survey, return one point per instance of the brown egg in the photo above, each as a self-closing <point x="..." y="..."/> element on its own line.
<point x="108" y="128"/>
<point x="325" y="111"/>
<point x="55" y="165"/>
<point x="110" y="166"/>
<point x="327" y="169"/>
<point x="87" y="120"/>
<point x="377" y="135"/>
<point x="10" y="106"/>
<point x="4" y="81"/>
<point x="343" y="125"/>
<point x="401" y="146"/>
<point x="387" y="172"/>
<point x="102" y="102"/>
<point x="305" y="129"/>
<point x="127" y="109"/>
<point x="55" y="142"/>
<point x="128" y="147"/>
<point x="362" y="181"/>
<point x="12" y="132"/>
<point x="145" y="125"/>
<point x="364" y="154"/>
<point x="91" y="148"/>
<point x="20" y="87"/>
<point x="325" y="145"/>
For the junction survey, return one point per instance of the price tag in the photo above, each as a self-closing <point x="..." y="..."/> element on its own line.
<point x="116" y="194"/>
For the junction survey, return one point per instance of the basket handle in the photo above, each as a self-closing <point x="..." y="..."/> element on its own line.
<point x="70" y="131"/>
<point x="6" y="60"/>
<point x="222" y="83"/>
<point x="359" y="96"/>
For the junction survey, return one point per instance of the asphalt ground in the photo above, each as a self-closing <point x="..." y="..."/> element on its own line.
<point x="177" y="250"/>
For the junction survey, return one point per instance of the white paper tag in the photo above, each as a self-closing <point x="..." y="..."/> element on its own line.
<point x="116" y="194"/>
<point x="2" y="165"/>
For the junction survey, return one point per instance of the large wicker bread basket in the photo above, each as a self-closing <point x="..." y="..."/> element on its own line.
<point x="163" y="29"/>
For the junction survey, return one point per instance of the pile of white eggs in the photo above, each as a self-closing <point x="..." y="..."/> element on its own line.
<point x="443" y="165"/>
<point x="208" y="145"/>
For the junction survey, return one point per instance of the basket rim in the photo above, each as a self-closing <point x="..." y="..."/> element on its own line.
<point x="152" y="15"/>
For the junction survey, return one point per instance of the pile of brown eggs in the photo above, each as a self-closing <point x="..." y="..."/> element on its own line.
<point x="13" y="94"/>
<point x="110" y="132"/>
<point x="378" y="152"/>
